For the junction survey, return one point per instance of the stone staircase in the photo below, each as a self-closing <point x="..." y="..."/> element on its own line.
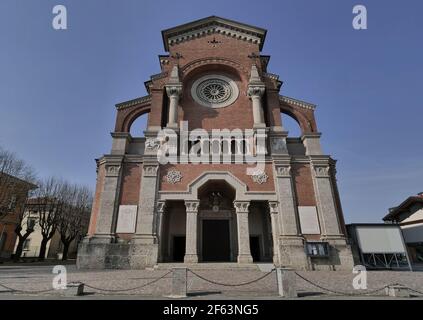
<point x="263" y="267"/>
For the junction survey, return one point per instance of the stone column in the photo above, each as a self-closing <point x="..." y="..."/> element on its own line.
<point x="161" y="207"/>
<point x="326" y="204"/>
<point x="191" y="251"/>
<point x="174" y="91"/>
<point x="147" y="201"/>
<point x="144" y="242"/>
<point x="104" y="230"/>
<point x="256" y="90"/>
<point x="274" y="215"/>
<point x="291" y="244"/>
<point x="244" y="252"/>
<point x="329" y="216"/>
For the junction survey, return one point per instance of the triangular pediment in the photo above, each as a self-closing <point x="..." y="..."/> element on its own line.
<point x="212" y="25"/>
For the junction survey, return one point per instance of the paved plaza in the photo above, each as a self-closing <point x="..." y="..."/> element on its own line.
<point x="34" y="281"/>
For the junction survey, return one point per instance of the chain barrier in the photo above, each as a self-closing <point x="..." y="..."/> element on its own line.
<point x="26" y="291"/>
<point x="354" y="294"/>
<point x="336" y="292"/>
<point x="231" y="285"/>
<point x="130" y="289"/>
<point x="87" y="286"/>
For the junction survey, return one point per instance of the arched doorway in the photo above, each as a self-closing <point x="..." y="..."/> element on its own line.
<point x="217" y="222"/>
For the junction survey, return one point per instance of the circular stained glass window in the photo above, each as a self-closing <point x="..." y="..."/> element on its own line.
<point x="214" y="91"/>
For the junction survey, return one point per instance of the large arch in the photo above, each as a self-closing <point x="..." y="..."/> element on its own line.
<point x="208" y="63"/>
<point x="304" y="122"/>
<point x="241" y="190"/>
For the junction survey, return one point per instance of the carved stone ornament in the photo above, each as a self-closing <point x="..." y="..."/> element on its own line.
<point x="321" y="171"/>
<point x="150" y="171"/>
<point x="283" y="171"/>
<point x="241" y="206"/>
<point x="112" y="170"/>
<point x="174" y="176"/>
<point x="152" y="144"/>
<point x="260" y="177"/>
<point x="192" y="206"/>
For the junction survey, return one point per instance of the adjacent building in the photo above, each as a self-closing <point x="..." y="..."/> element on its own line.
<point x="283" y="207"/>
<point x="409" y="216"/>
<point x="13" y="195"/>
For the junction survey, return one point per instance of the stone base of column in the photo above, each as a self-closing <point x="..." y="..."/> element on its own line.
<point x="259" y="126"/>
<point x="191" y="258"/>
<point x="292" y="253"/>
<point x="93" y="255"/>
<point x="143" y="255"/>
<point x="340" y="257"/>
<point x="245" y="258"/>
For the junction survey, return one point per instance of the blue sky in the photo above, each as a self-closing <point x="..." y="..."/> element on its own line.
<point x="58" y="88"/>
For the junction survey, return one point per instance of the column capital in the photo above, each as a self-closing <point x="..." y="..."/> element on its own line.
<point x="150" y="170"/>
<point x="241" y="206"/>
<point x="274" y="207"/>
<point x="283" y="170"/>
<point x="321" y="171"/>
<point x="174" y="90"/>
<point x="192" y="206"/>
<point x="161" y="206"/>
<point x="256" y="90"/>
<point x="113" y="170"/>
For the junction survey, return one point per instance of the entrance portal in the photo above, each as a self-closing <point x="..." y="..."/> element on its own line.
<point x="216" y="241"/>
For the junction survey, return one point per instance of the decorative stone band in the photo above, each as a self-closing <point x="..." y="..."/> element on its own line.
<point x="150" y="170"/>
<point x="297" y="102"/>
<point x="241" y="206"/>
<point x="283" y="171"/>
<point x="273" y="207"/>
<point x="174" y="176"/>
<point x="133" y="102"/>
<point x="192" y="206"/>
<point x="112" y="170"/>
<point x="213" y="29"/>
<point x="321" y="171"/>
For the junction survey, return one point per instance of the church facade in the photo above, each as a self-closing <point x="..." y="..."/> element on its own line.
<point x="216" y="177"/>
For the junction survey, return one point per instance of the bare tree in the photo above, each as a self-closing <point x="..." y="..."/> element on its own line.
<point x="49" y="203"/>
<point x="15" y="178"/>
<point x="23" y="215"/>
<point x="74" y="219"/>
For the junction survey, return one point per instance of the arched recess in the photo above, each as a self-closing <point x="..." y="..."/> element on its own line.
<point x="132" y="116"/>
<point x="210" y="64"/>
<point x="139" y="125"/>
<point x="291" y="125"/>
<point x="304" y="122"/>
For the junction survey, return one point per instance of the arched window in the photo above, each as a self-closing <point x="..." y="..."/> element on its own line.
<point x="139" y="126"/>
<point x="291" y="125"/>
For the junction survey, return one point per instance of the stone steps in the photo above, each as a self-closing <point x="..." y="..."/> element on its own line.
<point x="264" y="267"/>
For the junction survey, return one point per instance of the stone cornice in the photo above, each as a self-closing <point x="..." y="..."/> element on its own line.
<point x="213" y="25"/>
<point x="133" y="102"/>
<point x="297" y="102"/>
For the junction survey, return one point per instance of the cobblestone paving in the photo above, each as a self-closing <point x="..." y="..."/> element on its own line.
<point x="37" y="278"/>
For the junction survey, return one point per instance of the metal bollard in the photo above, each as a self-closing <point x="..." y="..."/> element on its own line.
<point x="286" y="282"/>
<point x="179" y="282"/>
